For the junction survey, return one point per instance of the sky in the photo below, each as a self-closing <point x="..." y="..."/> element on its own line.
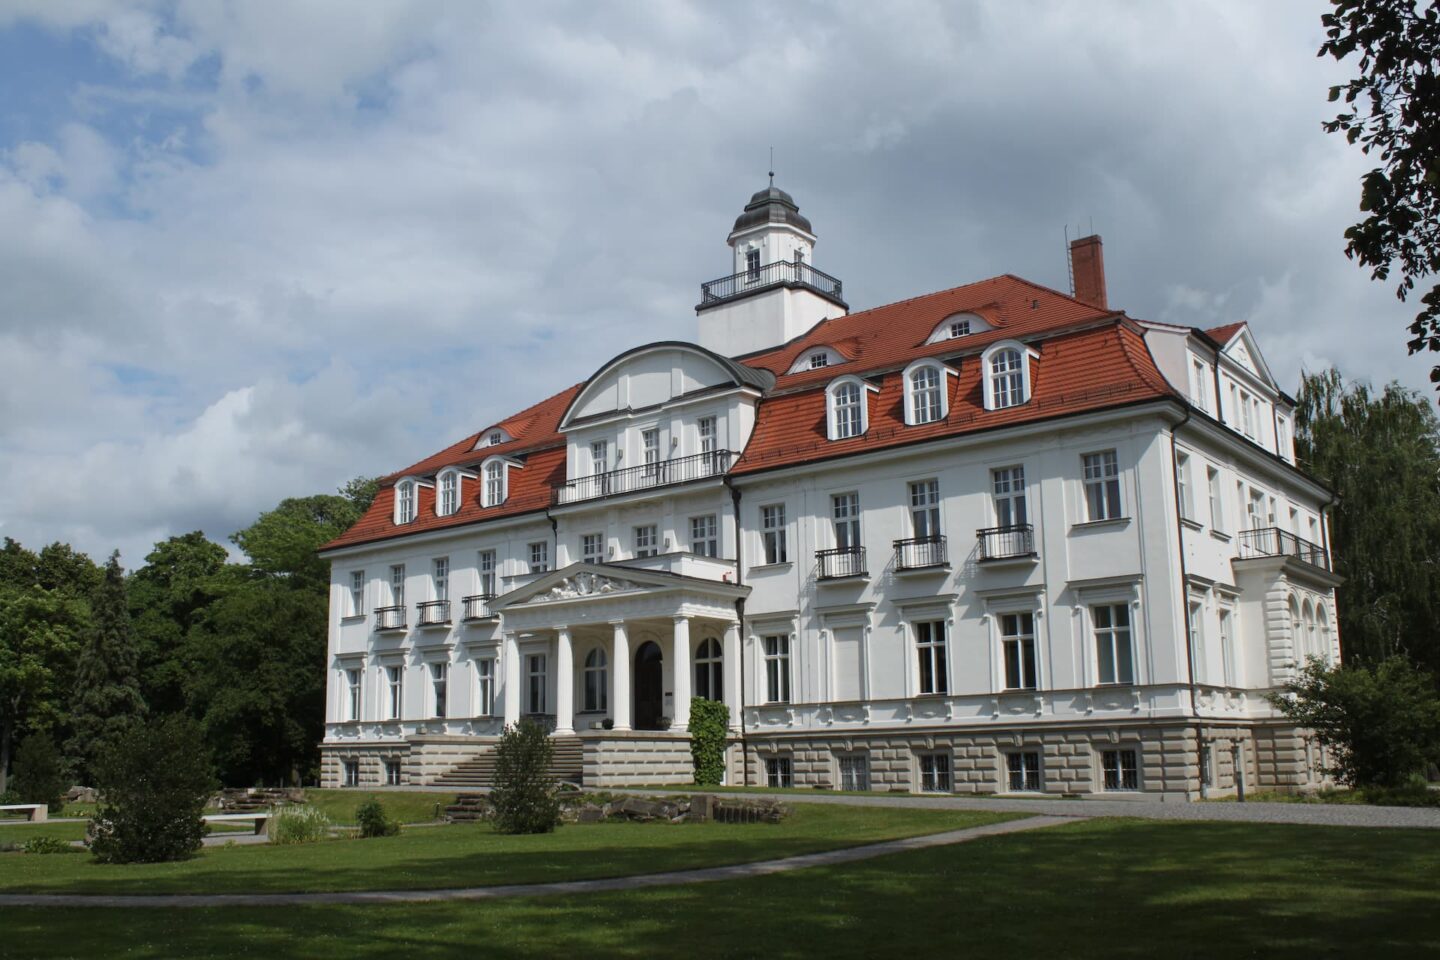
<point x="252" y="250"/>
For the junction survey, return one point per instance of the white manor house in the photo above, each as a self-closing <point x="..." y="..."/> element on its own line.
<point x="994" y="539"/>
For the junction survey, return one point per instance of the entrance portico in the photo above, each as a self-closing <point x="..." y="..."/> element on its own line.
<point x="624" y="644"/>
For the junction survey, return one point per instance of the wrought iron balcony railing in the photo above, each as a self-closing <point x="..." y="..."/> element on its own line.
<point x="662" y="473"/>
<point x="1274" y="542"/>
<point x="390" y="618"/>
<point x="919" y="553"/>
<point x="841" y="562"/>
<point x="786" y="272"/>
<point x="433" y="613"/>
<point x="1006" y="543"/>
<point x="477" y="607"/>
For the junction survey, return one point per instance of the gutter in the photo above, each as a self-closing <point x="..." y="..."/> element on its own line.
<point x="1185" y="591"/>
<point x="740" y="617"/>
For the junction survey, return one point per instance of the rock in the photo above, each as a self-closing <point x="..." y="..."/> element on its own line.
<point x="80" y="795"/>
<point x="635" y="808"/>
<point x="701" y="807"/>
<point x="590" y="814"/>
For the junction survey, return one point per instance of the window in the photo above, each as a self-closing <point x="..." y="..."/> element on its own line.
<point x="485" y="680"/>
<point x="752" y="265"/>
<point x="930" y="644"/>
<point x="1234" y="403"/>
<point x="539" y="557"/>
<point x="1122" y="771"/>
<point x="394" y="683"/>
<point x="1196" y="622"/>
<point x="772" y="526"/>
<point x="397" y="585"/>
<point x="352" y="772"/>
<point x="925" y="508"/>
<point x="1102" y="486"/>
<point x="442" y="578"/>
<point x="1113" y="654"/>
<point x="1227" y="645"/>
<point x="599" y="456"/>
<point x="855" y="772"/>
<point x="597" y="682"/>
<point x="703" y="539"/>
<point x="405" y="501"/>
<point x="357" y="593"/>
<point x="494" y="483"/>
<point x="486" y="566"/>
<point x="449" y="500"/>
<point x="1282" y="438"/>
<point x="779" y="772"/>
<point x="935" y="773"/>
<point x="847" y="417"/>
<point x="924" y="394"/>
<point x="352" y="689"/>
<point x="592" y="548"/>
<point x="536" y="674"/>
<point x="818" y="360"/>
<point x="845" y="517"/>
<point x="709" y="670"/>
<point x="1007" y="378"/>
<point x="650" y="451"/>
<point x="777" y="669"/>
<point x="496" y="438"/>
<point x="706" y="428"/>
<point x="1217" y="508"/>
<point x="646" y="541"/>
<point x="1255" y="510"/>
<point x="392" y="773"/>
<point x="1017" y="635"/>
<point x="1182" y="479"/>
<point x="1247" y="415"/>
<point x="1008" y="484"/>
<point x="1024" y="771"/>
<point x="959" y="328"/>
<point x="440" y="680"/>
<point x="1200" y="385"/>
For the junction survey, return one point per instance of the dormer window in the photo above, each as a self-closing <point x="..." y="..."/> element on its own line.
<point x="447" y="498"/>
<point x="405" y="501"/>
<point x="958" y="325"/>
<point x="494" y="493"/>
<point x="1007" y="375"/>
<point x="818" y="360"/>
<point x="847" y="415"/>
<point x="496" y="438"/>
<point x="959" y="328"/>
<point x="925" y="394"/>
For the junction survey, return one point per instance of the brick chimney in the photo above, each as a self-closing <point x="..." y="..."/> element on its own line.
<point x="1087" y="267"/>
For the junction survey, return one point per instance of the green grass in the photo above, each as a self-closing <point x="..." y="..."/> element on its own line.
<point x="1418" y="796"/>
<point x="407" y="806"/>
<point x="1093" y="889"/>
<point x="474" y="855"/>
<point x="23" y="832"/>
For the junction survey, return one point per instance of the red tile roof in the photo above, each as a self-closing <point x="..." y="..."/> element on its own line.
<point x="1223" y="335"/>
<point x="1089" y="359"/>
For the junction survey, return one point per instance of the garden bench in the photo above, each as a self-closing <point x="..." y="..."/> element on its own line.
<point x="35" y="812"/>
<point x="261" y="819"/>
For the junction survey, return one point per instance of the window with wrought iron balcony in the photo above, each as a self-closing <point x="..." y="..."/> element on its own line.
<point x="1011" y="542"/>
<point x="477" y="607"/>
<point x="1275" y="542"/>
<point x="434" y="613"/>
<point x="389" y="618"/>
<point x="654" y="473"/>
<point x="921" y="553"/>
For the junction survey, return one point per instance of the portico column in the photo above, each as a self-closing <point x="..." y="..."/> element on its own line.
<point x="564" y="683"/>
<point x="731" y="673"/>
<point x="620" y="705"/>
<point x="681" y="659"/>
<point x="511" y="689"/>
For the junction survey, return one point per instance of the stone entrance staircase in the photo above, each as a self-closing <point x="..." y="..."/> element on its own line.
<point x="479" y="771"/>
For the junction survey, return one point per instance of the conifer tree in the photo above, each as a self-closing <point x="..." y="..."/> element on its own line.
<point x="107" y="687"/>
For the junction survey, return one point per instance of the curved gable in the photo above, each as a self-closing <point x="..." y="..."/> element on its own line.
<point x="655" y="374"/>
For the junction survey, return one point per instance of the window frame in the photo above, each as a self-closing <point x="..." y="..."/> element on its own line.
<point x="447" y="493"/>
<point x="649" y="544"/>
<point x="407" y="500"/>
<point x="485" y="687"/>
<point x="932" y="676"/>
<point x="397" y="584"/>
<point x="774" y="546"/>
<point x="354" y="693"/>
<point x="495" y="483"/>
<point x="940" y="778"/>
<point x="357" y="593"/>
<point x="1029" y="774"/>
<point x="1185" y="482"/>
<point x="937" y="407"/>
<point x="1009" y="497"/>
<point x="439" y="689"/>
<point x="1110" y="634"/>
<point x="1026" y="646"/>
<point x="705" y="531"/>
<point x="1215" y="491"/>
<point x="538" y="552"/>
<point x="395" y="690"/>
<point x="849" y="412"/>
<point x="924" y="497"/>
<point x="1126" y="777"/>
<point x="779" y="772"/>
<point x="710" y="669"/>
<point x="1012" y="383"/>
<point x="440" y="578"/>
<point x="845" y="520"/>
<point x="595" y="685"/>
<point x="537" y="683"/>
<point x="592" y="548"/>
<point x="1111" y="496"/>
<point x="487" y="570"/>
<point x="776" y="649"/>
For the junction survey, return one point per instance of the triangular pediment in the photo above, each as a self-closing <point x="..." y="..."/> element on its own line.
<point x="581" y="581"/>
<point x="1243" y="349"/>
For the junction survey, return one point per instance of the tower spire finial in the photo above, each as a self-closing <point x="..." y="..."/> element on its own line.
<point x="772" y="166"/>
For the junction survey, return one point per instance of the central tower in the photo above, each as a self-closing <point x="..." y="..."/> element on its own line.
<point x="774" y="294"/>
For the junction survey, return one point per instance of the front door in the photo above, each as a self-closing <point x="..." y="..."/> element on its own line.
<point x="649" y="687"/>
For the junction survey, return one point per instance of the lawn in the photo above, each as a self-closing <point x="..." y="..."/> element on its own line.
<point x="407" y="806"/>
<point x="474" y="855"/>
<point x="1091" y="889"/>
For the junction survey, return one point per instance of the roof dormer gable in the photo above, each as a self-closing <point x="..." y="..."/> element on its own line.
<point x="958" y="326"/>
<point x="657" y="375"/>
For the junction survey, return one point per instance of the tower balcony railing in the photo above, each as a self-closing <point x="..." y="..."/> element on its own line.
<point x="390" y="618"/>
<point x="645" y="476"/>
<point x="781" y="272"/>
<point x="840" y="563"/>
<point x="1006" y="543"/>
<point x="1274" y="542"/>
<point x="920" y="553"/>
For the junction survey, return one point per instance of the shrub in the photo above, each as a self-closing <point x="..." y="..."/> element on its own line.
<point x="48" y="845"/>
<point x="1382" y="724"/>
<point x="524" y="793"/>
<point x="41" y="774"/>
<point x="299" y="824"/>
<point x="154" y="782"/>
<point x="709" y="729"/>
<point x="373" y="822"/>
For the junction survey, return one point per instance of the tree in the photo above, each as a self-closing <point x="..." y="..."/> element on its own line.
<point x="107" y="689"/>
<point x="1381" y="724"/>
<point x="41" y="774"/>
<point x="40" y="634"/>
<point x="168" y="596"/>
<point x="1381" y="456"/>
<point x="1392" y="109"/>
<point x="284" y="541"/>
<point x="524" y="794"/>
<point x="154" y="782"/>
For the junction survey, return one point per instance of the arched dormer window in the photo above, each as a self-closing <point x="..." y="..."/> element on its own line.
<point x="846" y="411"/>
<point x="816" y="358"/>
<point x="1006" y="368"/>
<point x="447" y="493"/>
<point x="957" y="326"/>
<point x="495" y="482"/>
<point x="926" y="392"/>
<point x="493" y="437"/>
<point x="406" y="494"/>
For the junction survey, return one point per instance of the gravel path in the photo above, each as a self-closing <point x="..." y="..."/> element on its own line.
<point x="738" y="871"/>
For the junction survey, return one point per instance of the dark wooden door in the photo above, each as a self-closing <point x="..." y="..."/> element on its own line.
<point x="649" y="687"/>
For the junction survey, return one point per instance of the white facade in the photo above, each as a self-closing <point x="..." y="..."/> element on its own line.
<point x="1088" y="601"/>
